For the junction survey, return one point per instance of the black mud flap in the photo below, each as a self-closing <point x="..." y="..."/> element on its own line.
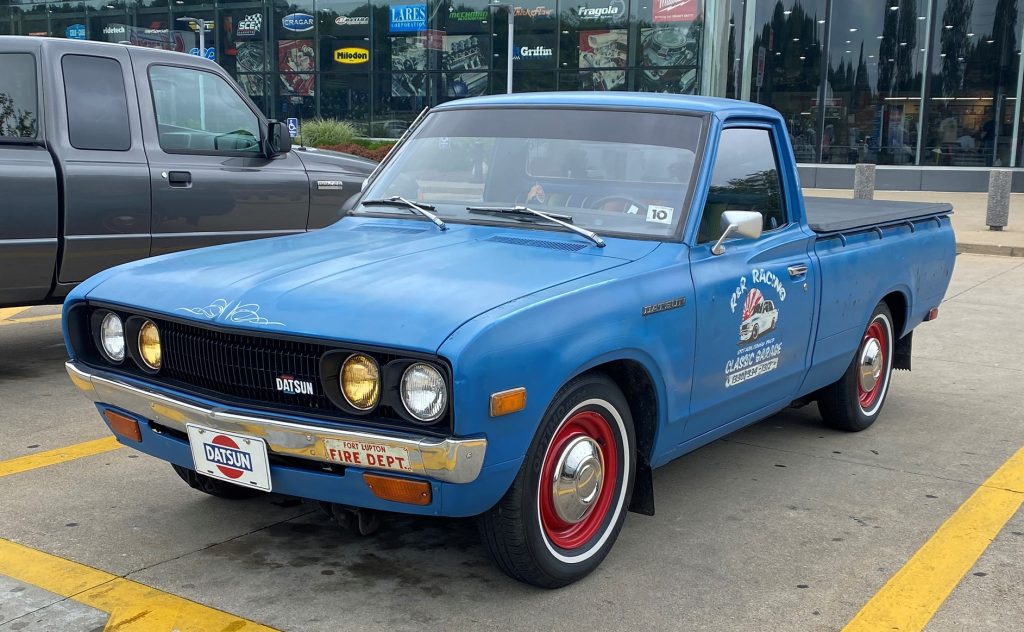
<point x="643" y="489"/>
<point x="901" y="354"/>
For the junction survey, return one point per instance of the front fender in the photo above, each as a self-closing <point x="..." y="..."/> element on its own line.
<point x="543" y="341"/>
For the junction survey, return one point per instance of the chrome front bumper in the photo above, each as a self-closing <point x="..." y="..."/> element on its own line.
<point x="450" y="460"/>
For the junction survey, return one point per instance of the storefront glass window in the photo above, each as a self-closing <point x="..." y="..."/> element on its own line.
<point x="667" y="49"/>
<point x="735" y="49"/>
<point x="973" y="83"/>
<point x="873" y="91"/>
<point x="786" y="67"/>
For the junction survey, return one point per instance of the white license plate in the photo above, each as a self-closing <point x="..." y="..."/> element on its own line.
<point x="368" y="454"/>
<point x="230" y="457"/>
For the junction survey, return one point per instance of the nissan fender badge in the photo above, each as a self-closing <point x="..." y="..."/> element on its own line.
<point x="330" y="185"/>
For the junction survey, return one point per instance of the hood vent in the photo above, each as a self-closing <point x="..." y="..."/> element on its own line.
<point x="566" y="246"/>
<point x="380" y="228"/>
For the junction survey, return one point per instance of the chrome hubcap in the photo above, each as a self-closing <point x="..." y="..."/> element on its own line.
<point x="870" y="365"/>
<point x="579" y="476"/>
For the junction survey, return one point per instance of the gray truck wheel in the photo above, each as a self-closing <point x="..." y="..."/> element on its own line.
<point x="212" y="486"/>
<point x="854" y="402"/>
<point x="566" y="506"/>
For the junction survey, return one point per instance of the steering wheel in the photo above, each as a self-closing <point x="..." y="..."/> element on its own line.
<point x="619" y="203"/>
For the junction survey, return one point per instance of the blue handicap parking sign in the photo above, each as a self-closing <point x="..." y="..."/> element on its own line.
<point x="293" y="127"/>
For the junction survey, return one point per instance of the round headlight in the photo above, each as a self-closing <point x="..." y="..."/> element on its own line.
<point x="149" y="345"/>
<point x="360" y="381"/>
<point x="112" y="337"/>
<point x="423" y="392"/>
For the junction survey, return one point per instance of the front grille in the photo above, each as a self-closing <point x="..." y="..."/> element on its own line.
<point x="242" y="366"/>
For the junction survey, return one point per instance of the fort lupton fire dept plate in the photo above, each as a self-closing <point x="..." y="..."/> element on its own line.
<point x="230" y="457"/>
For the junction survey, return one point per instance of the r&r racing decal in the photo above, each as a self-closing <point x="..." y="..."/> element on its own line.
<point x="759" y="318"/>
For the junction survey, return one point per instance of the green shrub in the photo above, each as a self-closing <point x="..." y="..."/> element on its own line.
<point x="322" y="132"/>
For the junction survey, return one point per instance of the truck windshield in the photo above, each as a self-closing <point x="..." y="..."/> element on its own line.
<point x="614" y="172"/>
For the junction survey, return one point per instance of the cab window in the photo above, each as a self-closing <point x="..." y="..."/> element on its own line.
<point x="745" y="178"/>
<point x="18" y="109"/>
<point x="199" y="112"/>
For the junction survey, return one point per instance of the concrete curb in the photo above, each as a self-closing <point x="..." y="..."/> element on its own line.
<point x="990" y="249"/>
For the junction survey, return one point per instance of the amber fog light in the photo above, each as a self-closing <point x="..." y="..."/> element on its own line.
<point x="360" y="381"/>
<point x="149" y="345"/>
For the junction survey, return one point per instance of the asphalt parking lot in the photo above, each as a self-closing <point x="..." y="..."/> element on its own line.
<point x="786" y="525"/>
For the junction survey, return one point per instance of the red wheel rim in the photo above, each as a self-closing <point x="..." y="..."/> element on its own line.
<point x="876" y="333"/>
<point x="573" y="535"/>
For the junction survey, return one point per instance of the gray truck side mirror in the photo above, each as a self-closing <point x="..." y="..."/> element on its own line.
<point x="743" y="223"/>
<point x="278" y="140"/>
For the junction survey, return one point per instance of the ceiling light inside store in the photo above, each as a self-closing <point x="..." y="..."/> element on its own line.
<point x="894" y="8"/>
<point x="787" y="12"/>
<point x="853" y="29"/>
<point x="949" y="26"/>
<point x="922" y="17"/>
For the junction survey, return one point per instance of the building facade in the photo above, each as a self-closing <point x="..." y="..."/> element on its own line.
<point x="895" y="82"/>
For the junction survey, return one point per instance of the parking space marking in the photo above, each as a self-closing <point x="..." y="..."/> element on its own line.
<point x="133" y="607"/>
<point x="58" y="455"/>
<point x="30" y="319"/>
<point x="11" y="312"/>
<point x="914" y="594"/>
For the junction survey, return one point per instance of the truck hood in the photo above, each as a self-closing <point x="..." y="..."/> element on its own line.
<point x="326" y="160"/>
<point x="395" y="283"/>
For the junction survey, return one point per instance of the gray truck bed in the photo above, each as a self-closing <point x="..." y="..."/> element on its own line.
<point x="831" y="215"/>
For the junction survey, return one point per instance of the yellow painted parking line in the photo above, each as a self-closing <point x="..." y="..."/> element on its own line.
<point x="133" y="607"/>
<point x="30" y="319"/>
<point x="59" y="455"/>
<point x="914" y="594"/>
<point x="11" y="312"/>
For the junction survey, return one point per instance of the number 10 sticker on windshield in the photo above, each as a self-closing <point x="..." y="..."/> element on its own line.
<point x="660" y="214"/>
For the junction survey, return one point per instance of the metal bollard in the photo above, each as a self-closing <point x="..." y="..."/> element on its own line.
<point x="864" y="182"/>
<point x="998" y="214"/>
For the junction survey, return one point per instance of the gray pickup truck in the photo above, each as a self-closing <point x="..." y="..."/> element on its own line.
<point x="111" y="153"/>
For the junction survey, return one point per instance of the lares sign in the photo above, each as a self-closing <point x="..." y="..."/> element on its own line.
<point x="408" y="18"/>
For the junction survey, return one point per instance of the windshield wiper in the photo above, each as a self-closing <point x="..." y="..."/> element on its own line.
<point x="415" y="207"/>
<point x="564" y="221"/>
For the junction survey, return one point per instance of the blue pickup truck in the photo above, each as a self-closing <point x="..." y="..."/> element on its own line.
<point x="538" y="300"/>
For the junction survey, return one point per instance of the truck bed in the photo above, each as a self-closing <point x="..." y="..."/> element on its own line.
<point x="832" y="215"/>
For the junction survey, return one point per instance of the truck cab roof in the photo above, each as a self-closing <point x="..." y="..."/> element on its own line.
<point x="19" y="43"/>
<point x="632" y="100"/>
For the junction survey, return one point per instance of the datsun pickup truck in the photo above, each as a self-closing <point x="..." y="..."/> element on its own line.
<point x="537" y="300"/>
<point x="111" y="153"/>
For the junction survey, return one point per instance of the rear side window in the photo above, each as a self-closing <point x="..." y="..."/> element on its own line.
<point x="18" y="103"/>
<point x="97" y="105"/>
<point x="199" y="112"/>
<point x="746" y="178"/>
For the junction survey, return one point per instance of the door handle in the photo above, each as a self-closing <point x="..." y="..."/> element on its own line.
<point x="798" y="270"/>
<point x="179" y="178"/>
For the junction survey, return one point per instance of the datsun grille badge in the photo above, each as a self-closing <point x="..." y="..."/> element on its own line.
<point x="290" y="386"/>
<point x="675" y="303"/>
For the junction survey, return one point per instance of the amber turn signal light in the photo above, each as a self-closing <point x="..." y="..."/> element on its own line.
<point x="123" y="425"/>
<point x="400" y="490"/>
<point x="509" y="401"/>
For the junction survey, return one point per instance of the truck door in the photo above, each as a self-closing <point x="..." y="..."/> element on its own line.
<point x="102" y="161"/>
<point x="755" y="302"/>
<point x="211" y="183"/>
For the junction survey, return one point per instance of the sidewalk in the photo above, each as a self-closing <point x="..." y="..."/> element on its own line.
<point x="968" y="218"/>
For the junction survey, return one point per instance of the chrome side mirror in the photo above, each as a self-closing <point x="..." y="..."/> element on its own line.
<point x="743" y="223"/>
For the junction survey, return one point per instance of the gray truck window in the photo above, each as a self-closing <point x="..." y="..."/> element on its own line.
<point x="746" y="178"/>
<point x="18" y="105"/>
<point x="198" y="112"/>
<point x="96" y="101"/>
